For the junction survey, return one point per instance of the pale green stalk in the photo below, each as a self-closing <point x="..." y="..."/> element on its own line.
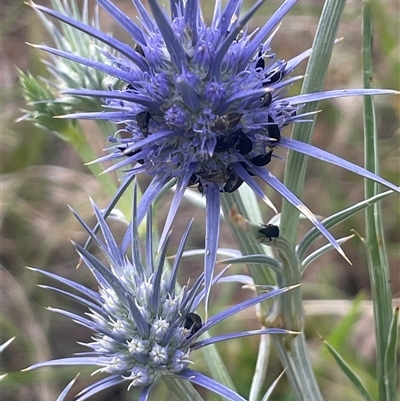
<point x="241" y="199"/>
<point x="391" y="372"/>
<point x="313" y="82"/>
<point x="74" y="136"/>
<point x="183" y="389"/>
<point x="292" y="351"/>
<point x="216" y="364"/>
<point x="375" y="243"/>
<point x="295" y="355"/>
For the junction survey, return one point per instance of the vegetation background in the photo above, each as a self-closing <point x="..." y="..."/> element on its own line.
<point x="41" y="174"/>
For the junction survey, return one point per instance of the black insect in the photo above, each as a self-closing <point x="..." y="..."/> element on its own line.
<point x="194" y="179"/>
<point x="270" y="77"/>
<point x="237" y="139"/>
<point x="260" y="61"/>
<point x="226" y="141"/>
<point x="274" y="75"/>
<point x="270" y="231"/>
<point x="237" y="37"/>
<point x="143" y="119"/>
<point x="125" y="150"/>
<point x="214" y="176"/>
<point x="195" y="182"/>
<point x="266" y="99"/>
<point x="193" y="323"/>
<point x="226" y="122"/>
<point x="232" y="183"/>
<point x="139" y="49"/>
<point x="244" y="145"/>
<point x="262" y="160"/>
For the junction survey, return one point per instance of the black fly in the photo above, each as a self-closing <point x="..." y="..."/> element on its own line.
<point x="139" y="49"/>
<point x="143" y="119"/>
<point x="226" y="122"/>
<point x="192" y="322"/>
<point x="269" y="231"/>
<point x="262" y="160"/>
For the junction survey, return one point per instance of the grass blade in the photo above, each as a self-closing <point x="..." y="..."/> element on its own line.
<point x="349" y="372"/>
<point x="375" y="243"/>
<point x="391" y="357"/>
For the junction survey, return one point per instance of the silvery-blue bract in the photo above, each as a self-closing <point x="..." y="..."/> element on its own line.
<point x="144" y="327"/>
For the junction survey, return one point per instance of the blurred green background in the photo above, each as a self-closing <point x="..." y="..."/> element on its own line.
<point x="41" y="174"/>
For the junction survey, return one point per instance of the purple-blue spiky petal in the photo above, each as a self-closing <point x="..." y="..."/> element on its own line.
<point x="320" y="154"/>
<point x="90" y="305"/>
<point x="72" y="284"/>
<point x="333" y="94"/>
<point x="99" y="386"/>
<point x="273" y="21"/>
<point x="212" y="237"/>
<point x="141" y="323"/>
<point x="273" y="182"/>
<point x="113" y="251"/>
<point x="119" y="95"/>
<point x="174" y="48"/>
<point x="249" y="180"/>
<point x="66" y="362"/>
<point x="208" y="383"/>
<point x="178" y="256"/>
<point x="123" y="20"/>
<point x="216" y="64"/>
<point x="240" y="334"/>
<point x="176" y="201"/>
<point x="239" y="307"/>
<point x="113" y="71"/>
<point x="123" y="48"/>
<point x="144" y="395"/>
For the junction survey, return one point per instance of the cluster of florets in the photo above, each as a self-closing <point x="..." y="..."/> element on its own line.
<point x="142" y="352"/>
<point x="200" y="116"/>
<point x="196" y="105"/>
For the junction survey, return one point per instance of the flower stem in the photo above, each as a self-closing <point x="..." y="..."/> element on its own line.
<point x="375" y="243"/>
<point x="292" y="350"/>
<point x="294" y="354"/>
<point x="313" y="82"/>
<point x="299" y="370"/>
<point x="183" y="389"/>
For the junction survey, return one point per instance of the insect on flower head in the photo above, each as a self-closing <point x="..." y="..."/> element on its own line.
<point x="201" y="104"/>
<point x="144" y="326"/>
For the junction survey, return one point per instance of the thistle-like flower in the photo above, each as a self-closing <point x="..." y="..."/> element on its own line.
<point x="144" y="326"/>
<point x="200" y="104"/>
<point x="43" y="94"/>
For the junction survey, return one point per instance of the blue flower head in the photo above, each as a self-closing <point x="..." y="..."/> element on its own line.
<point x="201" y="104"/>
<point x="144" y="325"/>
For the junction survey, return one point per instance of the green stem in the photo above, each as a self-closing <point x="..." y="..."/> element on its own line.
<point x="376" y="251"/>
<point x="299" y="371"/>
<point x="294" y="354"/>
<point x="296" y="163"/>
<point x="78" y="140"/>
<point x="261" y="274"/>
<point x="292" y="350"/>
<point x="183" y="389"/>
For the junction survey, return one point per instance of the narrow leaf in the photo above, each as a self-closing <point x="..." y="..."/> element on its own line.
<point x="349" y="372"/>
